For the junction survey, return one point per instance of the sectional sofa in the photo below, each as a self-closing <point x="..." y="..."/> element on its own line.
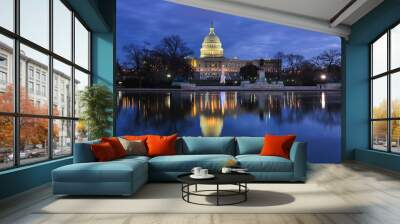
<point x="125" y="176"/>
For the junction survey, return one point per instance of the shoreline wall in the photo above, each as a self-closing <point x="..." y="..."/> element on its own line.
<point x="236" y="88"/>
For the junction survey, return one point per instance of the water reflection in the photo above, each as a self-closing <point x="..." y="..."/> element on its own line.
<point x="313" y="116"/>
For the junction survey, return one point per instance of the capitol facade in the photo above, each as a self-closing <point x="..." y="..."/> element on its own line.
<point x="212" y="65"/>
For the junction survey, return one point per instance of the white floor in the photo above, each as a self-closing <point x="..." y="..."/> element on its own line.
<point x="376" y="189"/>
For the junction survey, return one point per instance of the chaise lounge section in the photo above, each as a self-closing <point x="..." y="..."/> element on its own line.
<point x="125" y="176"/>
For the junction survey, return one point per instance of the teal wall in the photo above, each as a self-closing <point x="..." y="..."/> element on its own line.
<point x="24" y="178"/>
<point x="356" y="84"/>
<point x="99" y="15"/>
<point x="103" y="64"/>
<point x="102" y="58"/>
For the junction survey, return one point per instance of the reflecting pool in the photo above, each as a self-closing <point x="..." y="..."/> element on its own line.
<point x="313" y="116"/>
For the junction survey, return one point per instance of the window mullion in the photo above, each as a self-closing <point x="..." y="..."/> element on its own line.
<point x="73" y="82"/>
<point x="50" y="80"/>
<point x="16" y="85"/>
<point x="389" y="106"/>
<point x="371" y="142"/>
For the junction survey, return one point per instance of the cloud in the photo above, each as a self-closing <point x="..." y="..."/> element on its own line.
<point x="141" y="21"/>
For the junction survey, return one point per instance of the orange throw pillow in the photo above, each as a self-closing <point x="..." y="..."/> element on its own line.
<point x="161" y="145"/>
<point x="116" y="145"/>
<point x="135" y="138"/>
<point x="277" y="145"/>
<point x="103" y="152"/>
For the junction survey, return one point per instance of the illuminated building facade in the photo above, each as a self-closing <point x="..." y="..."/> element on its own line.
<point x="212" y="64"/>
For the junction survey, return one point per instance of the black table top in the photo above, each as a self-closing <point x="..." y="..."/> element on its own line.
<point x="220" y="178"/>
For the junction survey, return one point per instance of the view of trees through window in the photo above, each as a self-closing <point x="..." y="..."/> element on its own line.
<point x="385" y="94"/>
<point x="40" y="83"/>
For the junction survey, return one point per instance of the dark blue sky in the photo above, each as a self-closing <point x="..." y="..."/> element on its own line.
<point x="140" y="21"/>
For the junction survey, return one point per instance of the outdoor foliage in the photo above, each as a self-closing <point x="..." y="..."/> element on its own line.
<point x="380" y="128"/>
<point x="158" y="65"/>
<point x="34" y="131"/>
<point x="300" y="71"/>
<point x="249" y="72"/>
<point x="96" y="102"/>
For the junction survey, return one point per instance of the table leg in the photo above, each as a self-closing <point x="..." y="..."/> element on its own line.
<point x="217" y="194"/>
<point x="188" y="190"/>
<point x="182" y="190"/>
<point x="245" y="193"/>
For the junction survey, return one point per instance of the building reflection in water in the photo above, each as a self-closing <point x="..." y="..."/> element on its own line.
<point x="171" y="111"/>
<point x="323" y="100"/>
<point x="211" y="125"/>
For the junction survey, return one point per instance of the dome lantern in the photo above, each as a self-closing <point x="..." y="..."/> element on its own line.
<point x="212" y="46"/>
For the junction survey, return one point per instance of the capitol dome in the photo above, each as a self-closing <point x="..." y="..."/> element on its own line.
<point x="212" y="46"/>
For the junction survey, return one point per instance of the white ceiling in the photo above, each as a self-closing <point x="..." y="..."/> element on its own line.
<point x="317" y="15"/>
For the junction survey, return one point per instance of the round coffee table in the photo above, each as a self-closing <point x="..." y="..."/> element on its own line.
<point x="238" y="179"/>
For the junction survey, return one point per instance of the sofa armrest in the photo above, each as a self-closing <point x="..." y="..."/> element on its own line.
<point x="83" y="152"/>
<point x="298" y="155"/>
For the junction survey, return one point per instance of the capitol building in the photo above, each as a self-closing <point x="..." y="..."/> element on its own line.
<point x="212" y="65"/>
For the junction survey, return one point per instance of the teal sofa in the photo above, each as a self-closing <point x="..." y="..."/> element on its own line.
<point x="125" y="176"/>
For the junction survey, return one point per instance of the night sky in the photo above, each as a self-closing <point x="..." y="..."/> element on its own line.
<point x="140" y="21"/>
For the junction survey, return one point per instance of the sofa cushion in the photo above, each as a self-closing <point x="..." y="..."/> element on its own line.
<point x="185" y="163"/>
<point x="249" y="145"/>
<point x="161" y="145"/>
<point x="103" y="152"/>
<point x="208" y="145"/>
<point x="277" y="145"/>
<point x="257" y="163"/>
<point x="83" y="152"/>
<point x="116" y="145"/>
<point x="112" y="171"/>
<point x="133" y="158"/>
<point x="136" y="147"/>
<point x="135" y="137"/>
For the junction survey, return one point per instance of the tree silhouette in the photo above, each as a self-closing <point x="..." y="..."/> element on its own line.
<point x="249" y="72"/>
<point x="159" y="65"/>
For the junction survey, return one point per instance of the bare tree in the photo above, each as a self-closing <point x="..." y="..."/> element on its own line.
<point x="134" y="55"/>
<point x="173" y="52"/>
<point x="173" y="47"/>
<point x="329" y="58"/>
<point x="294" y="62"/>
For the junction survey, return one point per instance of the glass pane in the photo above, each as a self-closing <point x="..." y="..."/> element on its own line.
<point x="7" y="14"/>
<point x="81" y="45"/>
<point x="34" y="94"/>
<point x="379" y="97"/>
<point x="33" y="139"/>
<point x="395" y="136"/>
<point x="6" y="142"/>
<point x="395" y="47"/>
<point x="35" y="21"/>
<point x="6" y="74"/>
<point x="62" y="29"/>
<point x="379" y="55"/>
<point x="62" y="138"/>
<point x="81" y="131"/>
<point x="379" y="135"/>
<point x="395" y="95"/>
<point x="62" y="89"/>
<point x="81" y="81"/>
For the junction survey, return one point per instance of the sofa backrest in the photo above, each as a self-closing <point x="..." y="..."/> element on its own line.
<point x="207" y="145"/>
<point x="249" y="145"/>
<point x="83" y="152"/>
<point x="191" y="146"/>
